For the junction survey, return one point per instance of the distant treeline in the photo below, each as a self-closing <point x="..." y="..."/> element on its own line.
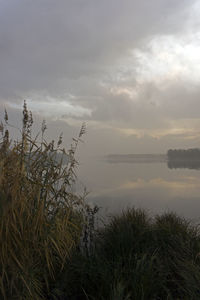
<point x="192" y="154"/>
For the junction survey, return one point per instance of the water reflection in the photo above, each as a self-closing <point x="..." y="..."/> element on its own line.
<point x="183" y="165"/>
<point x="155" y="186"/>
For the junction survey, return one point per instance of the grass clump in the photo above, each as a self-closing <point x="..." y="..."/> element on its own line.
<point x="136" y="257"/>
<point x="40" y="216"/>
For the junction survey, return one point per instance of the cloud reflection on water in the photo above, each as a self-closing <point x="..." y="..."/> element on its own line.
<point x="154" y="187"/>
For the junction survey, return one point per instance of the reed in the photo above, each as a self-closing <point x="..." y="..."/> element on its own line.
<point x="40" y="216"/>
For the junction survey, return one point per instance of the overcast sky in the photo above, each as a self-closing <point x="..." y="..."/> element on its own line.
<point x="130" y="69"/>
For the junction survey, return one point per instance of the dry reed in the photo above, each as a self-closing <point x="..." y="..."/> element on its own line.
<point x="40" y="219"/>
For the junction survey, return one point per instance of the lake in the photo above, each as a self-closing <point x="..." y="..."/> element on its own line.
<point x="116" y="183"/>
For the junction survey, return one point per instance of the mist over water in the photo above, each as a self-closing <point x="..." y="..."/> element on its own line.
<point x="143" y="183"/>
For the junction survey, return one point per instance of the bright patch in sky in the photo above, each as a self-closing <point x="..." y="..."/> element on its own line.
<point x="168" y="58"/>
<point x="165" y="61"/>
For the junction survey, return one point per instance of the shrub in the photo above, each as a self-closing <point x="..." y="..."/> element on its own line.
<point x="40" y="216"/>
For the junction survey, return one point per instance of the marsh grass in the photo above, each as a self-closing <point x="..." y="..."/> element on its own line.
<point x="40" y="216"/>
<point x="138" y="258"/>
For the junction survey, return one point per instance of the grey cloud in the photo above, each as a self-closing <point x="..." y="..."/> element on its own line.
<point x="152" y="108"/>
<point x="181" y="102"/>
<point x="70" y="50"/>
<point x="44" y="43"/>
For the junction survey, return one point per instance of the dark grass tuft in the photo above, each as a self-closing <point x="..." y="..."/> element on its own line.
<point x="137" y="257"/>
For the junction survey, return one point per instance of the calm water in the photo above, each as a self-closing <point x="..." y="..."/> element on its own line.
<point x="150" y="185"/>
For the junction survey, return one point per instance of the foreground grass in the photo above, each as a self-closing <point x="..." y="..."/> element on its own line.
<point x="40" y="217"/>
<point x="137" y="258"/>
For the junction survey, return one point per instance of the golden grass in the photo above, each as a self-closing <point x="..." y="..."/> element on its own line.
<point x="40" y="222"/>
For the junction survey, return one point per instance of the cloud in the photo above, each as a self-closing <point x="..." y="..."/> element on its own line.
<point x="128" y="68"/>
<point x="45" y="42"/>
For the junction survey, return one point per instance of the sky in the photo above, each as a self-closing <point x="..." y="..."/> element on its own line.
<point x="129" y="69"/>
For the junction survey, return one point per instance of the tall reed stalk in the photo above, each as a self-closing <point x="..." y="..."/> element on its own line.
<point x="40" y="218"/>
